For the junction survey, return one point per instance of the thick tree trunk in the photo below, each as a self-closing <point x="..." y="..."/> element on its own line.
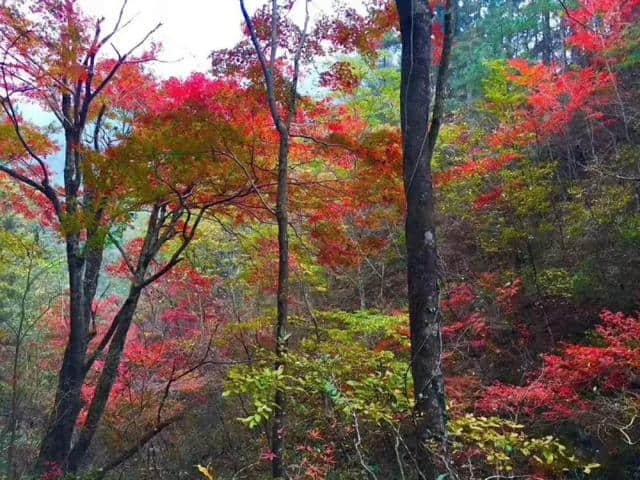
<point x="56" y="443"/>
<point x="419" y="137"/>
<point x="121" y="325"/>
<point x="107" y="378"/>
<point x="83" y="263"/>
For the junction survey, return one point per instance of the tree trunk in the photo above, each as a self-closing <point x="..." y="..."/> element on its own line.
<point x="122" y="323"/>
<point x="107" y="378"/>
<point x="547" y="39"/>
<point x="422" y="261"/>
<point x="83" y="263"/>
<point x="277" y="434"/>
<point x="56" y="443"/>
<point x="13" y="415"/>
<point x="282" y="126"/>
<point x="361" y="290"/>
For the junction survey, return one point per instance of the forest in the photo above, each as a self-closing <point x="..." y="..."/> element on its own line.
<point x="373" y="240"/>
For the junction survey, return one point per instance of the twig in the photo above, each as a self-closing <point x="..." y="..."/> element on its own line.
<point x="357" y="444"/>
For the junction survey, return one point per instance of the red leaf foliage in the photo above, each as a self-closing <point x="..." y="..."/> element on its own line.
<point x="564" y="386"/>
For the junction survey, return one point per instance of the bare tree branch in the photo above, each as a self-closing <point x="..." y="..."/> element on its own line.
<point x="266" y="70"/>
<point x="443" y="73"/>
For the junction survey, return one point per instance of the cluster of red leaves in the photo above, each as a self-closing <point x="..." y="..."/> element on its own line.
<point x="555" y="98"/>
<point x="475" y="324"/>
<point x="598" y="25"/>
<point x="347" y="229"/>
<point x="348" y="31"/>
<point x="30" y="204"/>
<point x="319" y="457"/>
<point x="475" y="167"/>
<point x="466" y="322"/>
<point x="563" y="387"/>
<point x="20" y="198"/>
<point x="508" y="295"/>
<point x="461" y="391"/>
<point x="132" y="89"/>
<point x="198" y="92"/>
<point x="53" y="471"/>
<point x="483" y="201"/>
<point x="459" y="297"/>
<point x="167" y="341"/>
<point x="335" y="246"/>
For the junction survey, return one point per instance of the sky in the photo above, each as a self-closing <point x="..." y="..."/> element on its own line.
<point x="190" y="30"/>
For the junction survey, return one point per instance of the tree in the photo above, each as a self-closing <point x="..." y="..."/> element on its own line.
<point x="110" y="177"/>
<point x="54" y="60"/>
<point x="283" y="127"/>
<point x="420" y="128"/>
<point x="27" y="294"/>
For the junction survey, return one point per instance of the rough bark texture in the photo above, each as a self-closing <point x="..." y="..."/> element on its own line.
<point x="56" y="443"/>
<point x="84" y="260"/>
<point x="107" y="378"/>
<point x="419" y="138"/>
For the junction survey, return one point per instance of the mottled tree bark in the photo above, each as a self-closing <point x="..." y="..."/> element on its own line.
<point x="420" y="128"/>
<point x="57" y="439"/>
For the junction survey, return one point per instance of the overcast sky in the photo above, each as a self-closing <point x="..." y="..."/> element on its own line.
<point x="190" y="30"/>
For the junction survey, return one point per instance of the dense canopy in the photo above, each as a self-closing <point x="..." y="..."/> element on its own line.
<point x="376" y="239"/>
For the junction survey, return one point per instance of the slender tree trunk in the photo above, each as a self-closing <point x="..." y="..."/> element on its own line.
<point x="361" y="290"/>
<point x="419" y="136"/>
<point x="278" y="428"/>
<point x="13" y="415"/>
<point x="283" y="126"/>
<point x="15" y="381"/>
<point x="547" y="40"/>
<point x="13" y="418"/>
